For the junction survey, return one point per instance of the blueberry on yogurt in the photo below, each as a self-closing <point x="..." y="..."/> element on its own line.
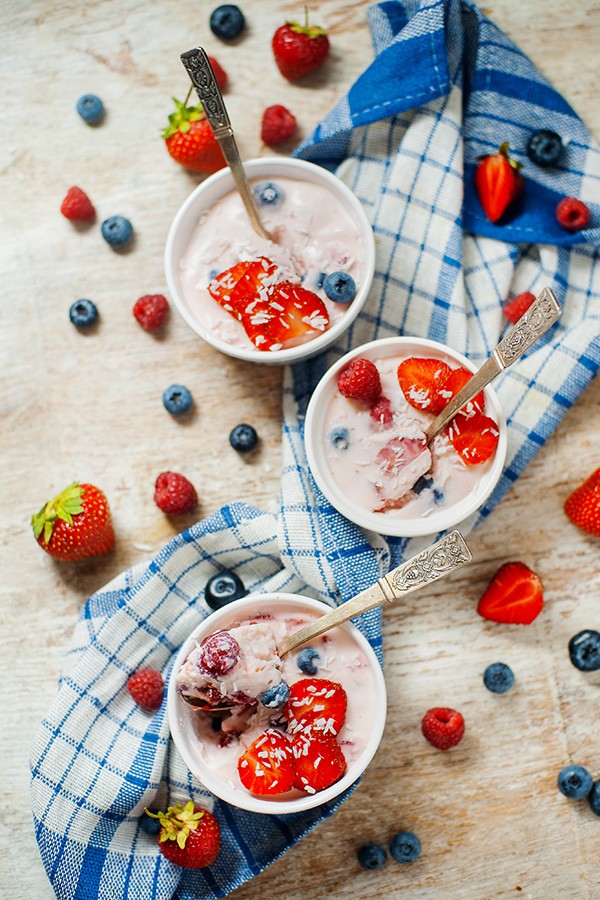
<point x="340" y="287"/>
<point x="339" y="438"/>
<point x="268" y="194"/>
<point x="275" y="696"/>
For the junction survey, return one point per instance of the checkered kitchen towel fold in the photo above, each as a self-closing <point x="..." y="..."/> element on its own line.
<point x="445" y="87"/>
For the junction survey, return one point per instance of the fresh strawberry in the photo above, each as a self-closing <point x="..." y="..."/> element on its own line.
<point x="582" y="507"/>
<point x="278" y="125"/>
<point x="219" y="73"/>
<point x="147" y="688"/>
<point x="499" y="182"/>
<point x="75" y="524"/>
<point x="320" y="761"/>
<point x="253" y="283"/>
<point x="151" y="310"/>
<point x="268" y="766"/>
<point x="360" y="380"/>
<point x="454" y="383"/>
<point x="421" y="380"/>
<point x="189" y="836"/>
<point x="518" y="306"/>
<point x="190" y="139"/>
<point x="443" y="727"/>
<point x="299" y="49"/>
<point x="316" y="704"/>
<point x="288" y="312"/>
<point x="474" y="437"/>
<point x="572" y="214"/>
<point x="221" y="287"/>
<point x="174" y="494"/>
<point x="514" y="596"/>
<point x="77" y="206"/>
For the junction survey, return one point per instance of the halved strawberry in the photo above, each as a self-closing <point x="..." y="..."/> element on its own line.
<point x="454" y="383"/>
<point x="474" y="438"/>
<point x="320" y="762"/>
<point x="421" y="379"/>
<point x="268" y="766"/>
<point x="221" y="287"/>
<point x="281" y="313"/>
<point x="316" y="704"/>
<point x="514" y="596"/>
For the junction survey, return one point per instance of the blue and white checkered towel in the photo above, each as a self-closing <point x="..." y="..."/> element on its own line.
<point x="445" y="87"/>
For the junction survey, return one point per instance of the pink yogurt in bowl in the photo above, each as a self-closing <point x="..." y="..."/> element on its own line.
<point x="372" y="469"/>
<point x="319" y="228"/>
<point x="212" y="741"/>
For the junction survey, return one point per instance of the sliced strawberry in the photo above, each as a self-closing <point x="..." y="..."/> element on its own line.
<point x="316" y="704"/>
<point x="421" y="380"/>
<point x="221" y="287"/>
<point x="398" y="453"/>
<point x="474" y="438"/>
<point x="255" y="280"/>
<point x="268" y="766"/>
<point x="454" y="383"/>
<point x="320" y="762"/>
<point x="281" y="313"/>
<point x="514" y="596"/>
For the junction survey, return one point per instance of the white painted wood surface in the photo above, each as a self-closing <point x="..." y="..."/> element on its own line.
<point x="490" y="819"/>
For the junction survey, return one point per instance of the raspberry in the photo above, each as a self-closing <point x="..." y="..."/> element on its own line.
<point x="220" y="653"/>
<point x="77" y="206"/>
<point x="174" y="494"/>
<point x="518" y="306"/>
<point x="147" y="688"/>
<point x="443" y="727"/>
<point x="572" y="214"/>
<point x="151" y="311"/>
<point x="278" y="125"/>
<point x="360" y="381"/>
<point x="382" y="412"/>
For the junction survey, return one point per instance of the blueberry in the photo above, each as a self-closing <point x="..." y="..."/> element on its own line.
<point x="339" y="438"/>
<point x="149" y="825"/>
<point x="405" y="847"/>
<point x="83" y="313"/>
<point x="319" y="280"/>
<point x="223" y="588"/>
<point x="117" y="231"/>
<point x="243" y="438"/>
<point x="339" y="287"/>
<point x="90" y="108"/>
<point x="422" y="484"/>
<point x="574" y="782"/>
<point x="371" y="856"/>
<point x="594" y="798"/>
<point x="438" y="495"/>
<point x="268" y="194"/>
<point x="544" y="147"/>
<point x="227" y="21"/>
<point x="213" y="274"/>
<point x="307" y="659"/>
<point x="584" y="650"/>
<point x="177" y="399"/>
<point x="275" y="697"/>
<point x="498" y="678"/>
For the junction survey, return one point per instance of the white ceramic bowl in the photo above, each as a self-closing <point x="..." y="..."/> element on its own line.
<point x="221" y="183"/>
<point x="181" y="715"/>
<point x="315" y="432"/>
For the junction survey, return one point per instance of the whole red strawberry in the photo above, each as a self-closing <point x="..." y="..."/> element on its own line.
<point x="75" y="524"/>
<point x="499" y="182"/>
<point x="191" y="141"/>
<point x="174" y="494"/>
<point x="443" y="727"/>
<point x="189" y="836"/>
<point x="583" y="506"/>
<point x="299" y="49"/>
<point x="219" y="73"/>
<point x="514" y="596"/>
<point x="147" y="688"/>
<point x="77" y="206"/>
<point x="278" y="125"/>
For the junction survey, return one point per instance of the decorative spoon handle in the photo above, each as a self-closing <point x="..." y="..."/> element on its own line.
<point x="202" y="77"/>
<point x="540" y="316"/>
<point x="443" y="557"/>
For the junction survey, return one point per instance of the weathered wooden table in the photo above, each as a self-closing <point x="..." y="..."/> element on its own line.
<point x="489" y="816"/>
